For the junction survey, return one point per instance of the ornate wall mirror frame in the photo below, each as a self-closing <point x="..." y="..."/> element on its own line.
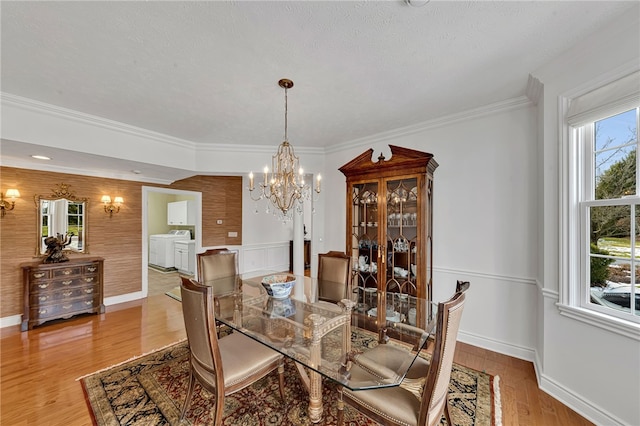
<point x="64" y="215"/>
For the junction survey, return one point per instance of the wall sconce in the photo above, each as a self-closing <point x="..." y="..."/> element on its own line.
<point x="5" y="205"/>
<point x="111" y="207"/>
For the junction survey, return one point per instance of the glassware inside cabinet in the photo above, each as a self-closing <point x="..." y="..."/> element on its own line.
<point x="401" y="236"/>
<point x="365" y="244"/>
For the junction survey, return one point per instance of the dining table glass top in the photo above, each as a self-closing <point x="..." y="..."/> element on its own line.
<point x="326" y="337"/>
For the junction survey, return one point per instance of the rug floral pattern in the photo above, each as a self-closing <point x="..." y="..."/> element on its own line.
<point x="150" y="390"/>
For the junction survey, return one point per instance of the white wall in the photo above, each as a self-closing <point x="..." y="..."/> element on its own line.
<point x="593" y="368"/>
<point x="484" y="218"/>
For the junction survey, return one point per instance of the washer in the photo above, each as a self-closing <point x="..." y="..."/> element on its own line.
<point x="161" y="247"/>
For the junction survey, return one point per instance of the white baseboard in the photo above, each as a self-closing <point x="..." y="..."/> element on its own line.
<point x="587" y="409"/>
<point x="515" y="351"/>
<point x="121" y="298"/>
<point x="10" y="321"/>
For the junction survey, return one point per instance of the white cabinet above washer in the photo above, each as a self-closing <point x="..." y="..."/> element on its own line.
<point x="181" y="213"/>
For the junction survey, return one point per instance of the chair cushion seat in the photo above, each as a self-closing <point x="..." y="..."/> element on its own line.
<point x="241" y="358"/>
<point x="400" y="405"/>
<point x="393" y="357"/>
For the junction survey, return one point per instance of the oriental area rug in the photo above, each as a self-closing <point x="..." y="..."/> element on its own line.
<point x="150" y="390"/>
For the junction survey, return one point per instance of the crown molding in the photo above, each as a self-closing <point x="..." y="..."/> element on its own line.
<point x="106" y="174"/>
<point x="91" y="120"/>
<point x="267" y="149"/>
<point x="534" y="89"/>
<point x="490" y="109"/>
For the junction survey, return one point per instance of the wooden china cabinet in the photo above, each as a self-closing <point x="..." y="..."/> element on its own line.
<point x="390" y="233"/>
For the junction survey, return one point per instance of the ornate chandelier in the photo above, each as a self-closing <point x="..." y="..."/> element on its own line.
<point x="284" y="186"/>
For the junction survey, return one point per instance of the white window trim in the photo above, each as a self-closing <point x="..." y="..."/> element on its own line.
<point x="571" y="160"/>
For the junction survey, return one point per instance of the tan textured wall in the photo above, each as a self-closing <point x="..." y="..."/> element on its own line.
<point x="117" y="239"/>
<point x="221" y="199"/>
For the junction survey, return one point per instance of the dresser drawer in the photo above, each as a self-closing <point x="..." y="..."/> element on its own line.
<point x="64" y="309"/>
<point x="67" y="271"/>
<point x="64" y="283"/>
<point x="48" y="297"/>
<point x="92" y="268"/>
<point x="39" y="274"/>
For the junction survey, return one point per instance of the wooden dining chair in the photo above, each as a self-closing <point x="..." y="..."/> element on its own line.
<point x="225" y="365"/>
<point x="334" y="276"/>
<point x="419" y="401"/>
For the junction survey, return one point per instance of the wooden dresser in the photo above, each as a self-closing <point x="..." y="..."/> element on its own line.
<point x="61" y="290"/>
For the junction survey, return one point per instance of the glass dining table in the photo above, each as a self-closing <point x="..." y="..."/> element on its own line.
<point x="324" y="339"/>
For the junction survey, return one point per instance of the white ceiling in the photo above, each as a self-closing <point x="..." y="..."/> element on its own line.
<point x="207" y="71"/>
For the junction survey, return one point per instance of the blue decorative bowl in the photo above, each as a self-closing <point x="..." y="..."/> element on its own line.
<point x="279" y="286"/>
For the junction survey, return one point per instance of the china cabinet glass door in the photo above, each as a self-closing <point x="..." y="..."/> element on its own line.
<point x="401" y="237"/>
<point x="365" y="246"/>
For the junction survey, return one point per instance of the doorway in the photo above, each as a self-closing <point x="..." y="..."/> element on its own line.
<point x="155" y="222"/>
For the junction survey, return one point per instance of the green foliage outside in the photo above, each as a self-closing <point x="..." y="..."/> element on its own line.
<point x="619" y="180"/>
<point x="599" y="267"/>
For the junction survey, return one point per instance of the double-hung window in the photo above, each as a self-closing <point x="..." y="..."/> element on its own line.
<point x="604" y="201"/>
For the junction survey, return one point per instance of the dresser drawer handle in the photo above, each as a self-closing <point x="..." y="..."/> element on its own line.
<point x="42" y="311"/>
<point x="88" y="302"/>
<point x="88" y="290"/>
<point x="92" y="268"/>
<point x="67" y="282"/>
<point x="43" y="298"/>
<point x="39" y="274"/>
<point x="67" y="306"/>
<point x="45" y="285"/>
<point x="67" y="293"/>
<point x="88" y="279"/>
<point x="67" y="271"/>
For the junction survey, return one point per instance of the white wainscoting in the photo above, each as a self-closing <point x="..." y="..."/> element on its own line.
<point x="498" y="310"/>
<point x="266" y="257"/>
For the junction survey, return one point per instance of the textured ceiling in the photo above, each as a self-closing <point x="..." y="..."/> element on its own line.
<point x="207" y="72"/>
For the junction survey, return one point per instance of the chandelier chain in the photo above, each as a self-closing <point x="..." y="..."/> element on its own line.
<point x="286" y="109"/>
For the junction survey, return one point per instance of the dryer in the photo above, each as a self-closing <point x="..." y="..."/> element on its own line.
<point x="161" y="247"/>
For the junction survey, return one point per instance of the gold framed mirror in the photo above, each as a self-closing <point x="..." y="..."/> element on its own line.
<point x="64" y="215"/>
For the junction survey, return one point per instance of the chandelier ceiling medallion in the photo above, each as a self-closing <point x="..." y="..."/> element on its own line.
<point x="284" y="186"/>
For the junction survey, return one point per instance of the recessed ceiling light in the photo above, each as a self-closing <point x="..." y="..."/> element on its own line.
<point x="137" y="172"/>
<point x="41" y="157"/>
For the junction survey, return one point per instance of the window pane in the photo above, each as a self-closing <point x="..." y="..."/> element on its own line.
<point x="615" y="155"/>
<point x="610" y="272"/>
<point x="616" y="294"/>
<point x="611" y="230"/>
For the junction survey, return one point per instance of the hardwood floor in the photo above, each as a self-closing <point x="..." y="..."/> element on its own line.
<point x="161" y="282"/>
<point x="39" y="368"/>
